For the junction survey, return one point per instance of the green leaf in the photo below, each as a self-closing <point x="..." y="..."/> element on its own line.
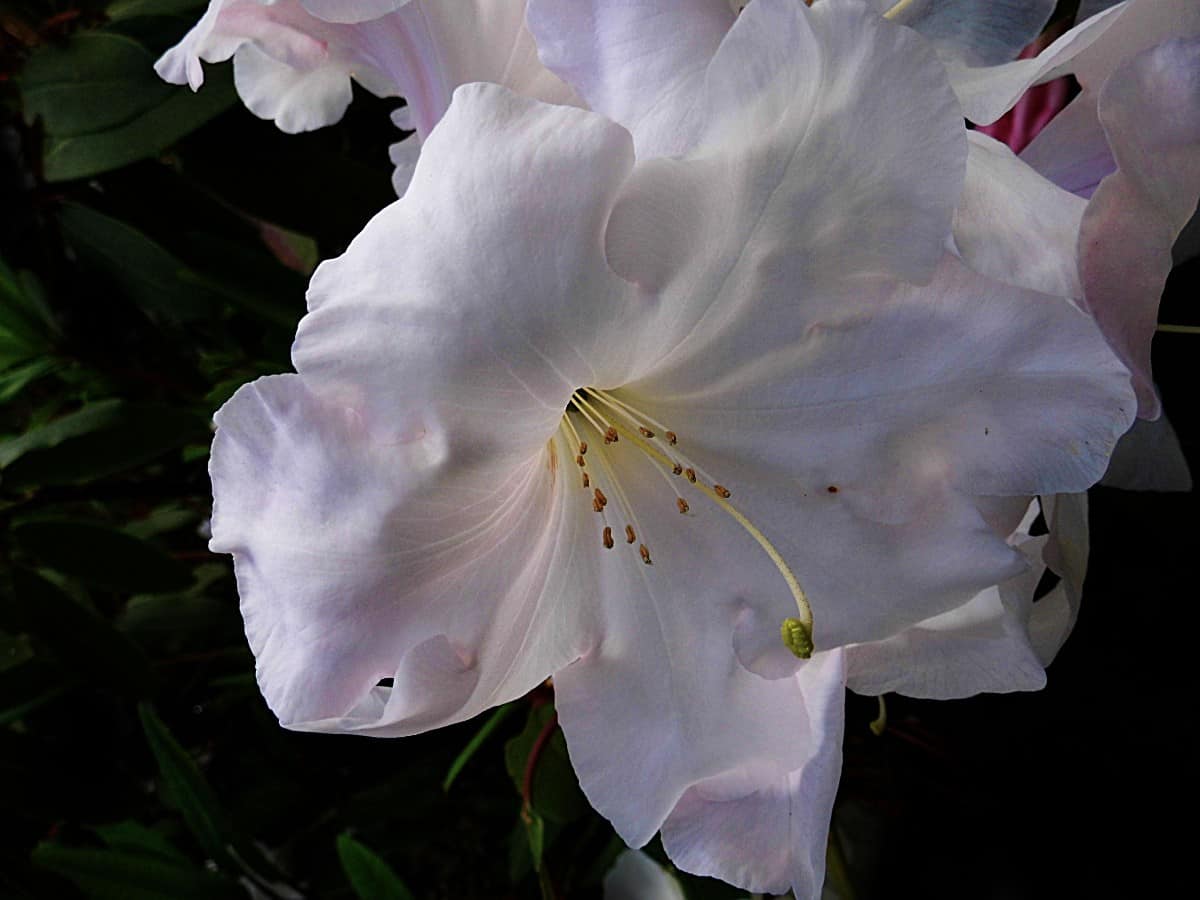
<point x="16" y="379"/>
<point x="97" y="80"/>
<point x="101" y="439"/>
<point x="101" y="555"/>
<point x="473" y="745"/>
<point x="555" y="789"/>
<point x="132" y="9"/>
<point x="146" y="135"/>
<point x="82" y="641"/>
<point x="122" y="875"/>
<point x="370" y="876"/>
<point x="134" y="837"/>
<point x="186" y="789"/>
<point x="151" y="276"/>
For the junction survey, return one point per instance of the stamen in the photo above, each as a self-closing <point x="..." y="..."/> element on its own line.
<point x="579" y="461"/>
<point x="608" y="538"/>
<point x="645" y="432"/>
<point x="600" y="498"/>
<point x="676" y="469"/>
<point x="630" y="537"/>
<point x="645" y="552"/>
<point x="587" y="482"/>
<point x="898" y="9"/>
<point x="690" y="474"/>
<point x="723" y="492"/>
<point x="597" y="506"/>
<point x="672" y="438"/>
<point x="582" y="448"/>
<point x="682" y="504"/>
<point x="797" y="633"/>
<point x="610" y="435"/>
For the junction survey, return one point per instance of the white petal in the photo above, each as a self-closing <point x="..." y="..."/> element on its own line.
<point x="1072" y="150"/>
<point x="635" y="876"/>
<point x="641" y="64"/>
<point x="1150" y="109"/>
<point x="1142" y="24"/>
<point x="403" y="156"/>
<point x="351" y="11"/>
<point x="295" y="100"/>
<point x="1066" y="552"/>
<point x="482" y="292"/>
<point x="767" y="833"/>
<point x="987" y="92"/>
<point x="817" y="173"/>
<point x="979" y="32"/>
<point x="1014" y="225"/>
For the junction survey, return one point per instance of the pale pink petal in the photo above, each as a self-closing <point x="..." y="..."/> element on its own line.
<point x="390" y="514"/>
<point x="1072" y="150"/>
<point x="351" y="11"/>
<point x="766" y="831"/>
<point x="786" y="195"/>
<point x="635" y="876"/>
<point x="1141" y="25"/>
<point x="641" y="64"/>
<point x="1066" y="553"/>
<point x="1014" y="225"/>
<point x="1150" y="110"/>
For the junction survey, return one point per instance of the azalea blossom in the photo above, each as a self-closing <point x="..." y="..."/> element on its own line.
<point x="294" y="61"/>
<point x="683" y="433"/>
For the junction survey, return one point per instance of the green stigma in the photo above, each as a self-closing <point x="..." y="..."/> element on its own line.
<point x="797" y="637"/>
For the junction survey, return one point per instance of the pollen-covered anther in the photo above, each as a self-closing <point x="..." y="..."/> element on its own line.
<point x="721" y="491"/>
<point x="597" y="506"/>
<point x="690" y="474"/>
<point x="630" y="537"/>
<point x="676" y="469"/>
<point x="579" y="460"/>
<point x="600" y="498"/>
<point x="608" y="538"/>
<point x="672" y="438"/>
<point x="682" y="504"/>
<point x="587" y="482"/>
<point x="582" y="448"/>
<point x="645" y="432"/>
<point x="610" y="435"/>
<point x="645" y="552"/>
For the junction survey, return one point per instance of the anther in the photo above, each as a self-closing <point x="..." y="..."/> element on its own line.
<point x="676" y="469"/>
<point x="600" y="498"/>
<point x="587" y="482"/>
<point x="722" y="491"/>
<point x="579" y="460"/>
<point x="682" y="504"/>
<point x="645" y="551"/>
<point x="597" y="506"/>
<point x="630" y="537"/>
<point x="582" y="447"/>
<point x="610" y="435"/>
<point x="797" y="637"/>
<point x="672" y="438"/>
<point x="691" y="475"/>
<point x="645" y="432"/>
<point x="608" y="538"/>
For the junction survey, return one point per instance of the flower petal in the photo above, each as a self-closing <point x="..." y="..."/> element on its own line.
<point x="978" y="32"/>
<point x="789" y="194"/>
<point x="767" y="832"/>
<point x="635" y="876"/>
<point x="295" y="101"/>
<point x="1066" y="553"/>
<point x="1014" y="225"/>
<point x="1150" y="109"/>
<point x="1072" y="150"/>
<point x="641" y="64"/>
<point x="456" y="297"/>
<point x="351" y="11"/>
<point x="987" y="92"/>
<point x="1149" y="458"/>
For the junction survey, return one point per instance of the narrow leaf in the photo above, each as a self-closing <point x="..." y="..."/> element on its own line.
<point x="473" y="745"/>
<point x="370" y="876"/>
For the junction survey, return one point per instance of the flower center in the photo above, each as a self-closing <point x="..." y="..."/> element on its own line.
<point x="598" y="413"/>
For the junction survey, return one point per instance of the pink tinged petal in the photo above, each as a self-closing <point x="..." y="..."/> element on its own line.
<point x="978" y="32"/>
<point x="981" y="646"/>
<point x="353" y="566"/>
<point x="641" y="64"/>
<point x="295" y="100"/>
<point x="351" y="11"/>
<point x="987" y="92"/>
<point x="391" y="511"/>
<point x="1066" y="553"/>
<point x="1150" y="110"/>
<point x="1141" y="25"/>
<point x="1072" y="150"/>
<point x="468" y="274"/>
<point x="1149" y="458"/>
<point x="766" y="831"/>
<point x="1014" y="225"/>
<point x="181" y="64"/>
<point x="788" y="194"/>
<point x="635" y="876"/>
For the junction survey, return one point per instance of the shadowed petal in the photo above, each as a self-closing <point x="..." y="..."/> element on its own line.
<point x="978" y="32"/>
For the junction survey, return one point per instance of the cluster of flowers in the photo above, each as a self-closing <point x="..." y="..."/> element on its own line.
<point x="709" y="363"/>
